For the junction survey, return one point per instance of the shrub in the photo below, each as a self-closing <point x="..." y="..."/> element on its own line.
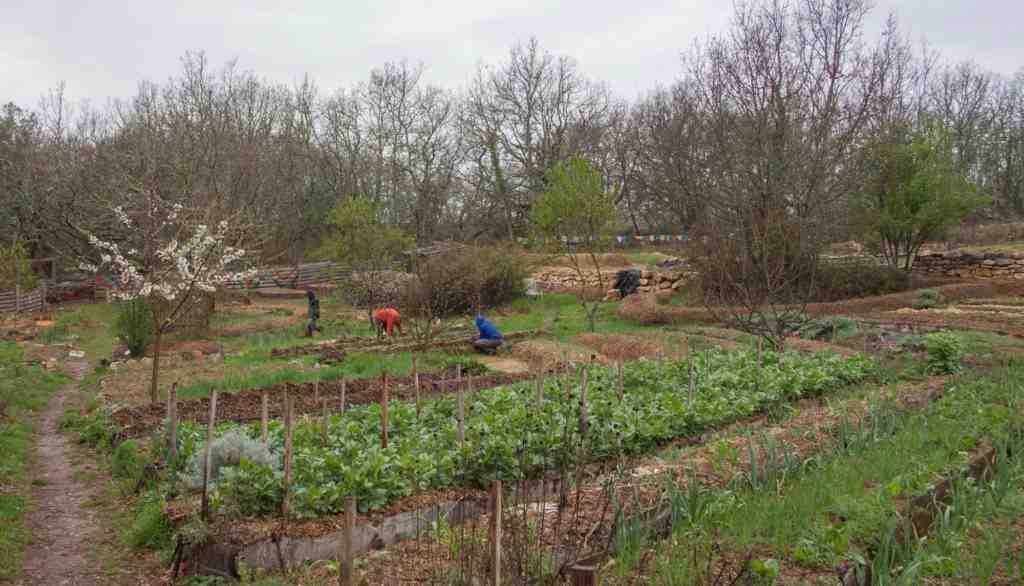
<point x="835" y="282"/>
<point x="945" y="353"/>
<point x="126" y="461"/>
<point x="227" y="450"/>
<point x="134" y="325"/>
<point x="459" y="280"/>
<point x="927" y="299"/>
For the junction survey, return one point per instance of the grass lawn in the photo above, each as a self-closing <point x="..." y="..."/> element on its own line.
<point x="24" y="391"/>
<point x="86" y="326"/>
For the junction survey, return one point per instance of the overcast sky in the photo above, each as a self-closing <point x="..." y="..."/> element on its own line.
<point x="103" y="48"/>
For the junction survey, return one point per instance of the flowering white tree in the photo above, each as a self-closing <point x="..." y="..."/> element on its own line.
<point x="168" y="259"/>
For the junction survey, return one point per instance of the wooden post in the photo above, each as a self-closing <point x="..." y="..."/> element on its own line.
<point x="17" y="287"/>
<point x="316" y="389"/>
<point x="264" y="415"/>
<point x="345" y="561"/>
<point x="583" y="402"/>
<point x="416" y="386"/>
<point x="622" y="385"/>
<point x="206" y="455"/>
<point x="323" y="422"/>
<point x="693" y="380"/>
<point x="760" y="352"/>
<point x="496" y="533"/>
<point x="288" y="417"/>
<point x="460" y="431"/>
<point x="172" y="423"/>
<point x="384" y="410"/>
<point x="540" y="388"/>
<point x="343" y="384"/>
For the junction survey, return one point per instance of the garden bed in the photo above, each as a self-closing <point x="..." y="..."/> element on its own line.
<point x="246" y="406"/>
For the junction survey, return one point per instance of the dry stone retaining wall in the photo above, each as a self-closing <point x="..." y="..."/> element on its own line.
<point x="966" y="265"/>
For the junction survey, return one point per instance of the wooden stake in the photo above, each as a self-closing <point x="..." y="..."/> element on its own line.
<point x="693" y="381"/>
<point x="172" y="423"/>
<point x="496" y="533"/>
<point x="345" y="561"/>
<point x="760" y="352"/>
<point x="416" y="386"/>
<point x="316" y="389"/>
<point x="323" y="422"/>
<point x="622" y="384"/>
<point x="264" y="415"/>
<point x="540" y="388"/>
<point x="583" y="402"/>
<point x="288" y="417"/>
<point x="343" y="384"/>
<point x="206" y="456"/>
<point x="384" y="410"/>
<point x="460" y="411"/>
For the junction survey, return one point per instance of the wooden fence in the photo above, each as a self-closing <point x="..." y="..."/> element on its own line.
<point x="295" y="277"/>
<point x="18" y="301"/>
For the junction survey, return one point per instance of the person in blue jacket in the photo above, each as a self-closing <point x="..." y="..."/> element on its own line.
<point x="490" y="338"/>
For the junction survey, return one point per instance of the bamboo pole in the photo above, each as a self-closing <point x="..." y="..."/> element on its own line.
<point x="206" y="455"/>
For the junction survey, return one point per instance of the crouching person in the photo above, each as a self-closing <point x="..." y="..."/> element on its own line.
<point x="490" y="338"/>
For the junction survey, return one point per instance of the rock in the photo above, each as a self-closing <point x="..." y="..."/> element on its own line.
<point x="644" y="282"/>
<point x="677" y="285"/>
<point x="1003" y="262"/>
<point x="613" y="295"/>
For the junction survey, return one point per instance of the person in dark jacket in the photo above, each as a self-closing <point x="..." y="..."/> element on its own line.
<point x="313" y="312"/>
<point x="490" y="338"/>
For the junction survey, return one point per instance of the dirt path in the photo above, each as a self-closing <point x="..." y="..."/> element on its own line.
<point x="63" y="528"/>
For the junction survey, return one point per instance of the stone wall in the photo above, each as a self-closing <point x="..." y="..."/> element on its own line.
<point x="556" y="279"/>
<point x="964" y="265"/>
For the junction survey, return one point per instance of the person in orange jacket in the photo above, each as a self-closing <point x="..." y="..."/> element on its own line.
<point x="385" y="319"/>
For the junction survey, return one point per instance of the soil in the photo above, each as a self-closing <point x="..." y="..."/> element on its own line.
<point x="504" y="364"/>
<point x="246" y="406"/>
<point x="63" y="527"/>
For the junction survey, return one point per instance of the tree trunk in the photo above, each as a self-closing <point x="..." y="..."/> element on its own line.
<point x="156" y="365"/>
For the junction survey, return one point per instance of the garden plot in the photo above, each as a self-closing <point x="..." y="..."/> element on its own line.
<point x="808" y="429"/>
<point x="510" y="434"/>
<point x="850" y="503"/>
<point x="309" y="398"/>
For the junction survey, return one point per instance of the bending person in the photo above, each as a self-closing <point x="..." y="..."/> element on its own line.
<point x="490" y="338"/>
<point x="386" y="319"/>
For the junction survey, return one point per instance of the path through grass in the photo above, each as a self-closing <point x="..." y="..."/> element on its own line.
<point x="24" y="391"/>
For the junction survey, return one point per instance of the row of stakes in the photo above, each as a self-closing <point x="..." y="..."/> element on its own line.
<point x="345" y="555"/>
